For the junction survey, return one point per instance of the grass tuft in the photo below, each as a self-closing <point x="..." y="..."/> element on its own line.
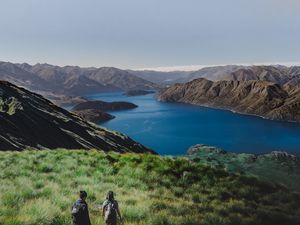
<point x="39" y="187"/>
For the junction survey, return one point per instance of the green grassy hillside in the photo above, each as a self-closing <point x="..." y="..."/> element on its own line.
<point x="39" y="187"/>
<point x="279" y="167"/>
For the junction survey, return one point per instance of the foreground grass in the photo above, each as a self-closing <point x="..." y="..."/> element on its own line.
<point x="39" y="187"/>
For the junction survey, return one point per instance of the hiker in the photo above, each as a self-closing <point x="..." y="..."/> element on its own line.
<point x="80" y="211"/>
<point x="110" y="209"/>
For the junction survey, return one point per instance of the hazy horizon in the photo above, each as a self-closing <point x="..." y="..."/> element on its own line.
<point x="186" y="68"/>
<point x="154" y="34"/>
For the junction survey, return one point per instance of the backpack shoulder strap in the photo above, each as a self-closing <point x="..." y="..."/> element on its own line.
<point x="105" y="203"/>
<point x="116" y="204"/>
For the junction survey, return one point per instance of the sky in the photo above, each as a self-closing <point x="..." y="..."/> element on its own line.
<point x="134" y="34"/>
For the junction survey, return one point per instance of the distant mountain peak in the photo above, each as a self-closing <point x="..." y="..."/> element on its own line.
<point x="71" y="80"/>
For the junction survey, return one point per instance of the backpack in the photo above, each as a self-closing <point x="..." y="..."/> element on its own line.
<point x="110" y="211"/>
<point x="76" y="211"/>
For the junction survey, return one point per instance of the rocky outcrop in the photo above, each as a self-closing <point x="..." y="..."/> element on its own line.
<point x="255" y="97"/>
<point x="284" y="156"/>
<point x="30" y="121"/>
<point x="194" y="150"/>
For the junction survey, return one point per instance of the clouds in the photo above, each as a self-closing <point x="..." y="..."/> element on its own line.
<point x="198" y="67"/>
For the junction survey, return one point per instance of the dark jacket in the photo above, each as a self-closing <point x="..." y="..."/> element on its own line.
<point x="82" y="217"/>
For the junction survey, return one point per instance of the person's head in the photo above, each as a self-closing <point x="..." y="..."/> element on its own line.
<point x="82" y="195"/>
<point x="110" y="196"/>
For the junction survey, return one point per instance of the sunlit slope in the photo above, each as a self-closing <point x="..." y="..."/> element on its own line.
<point x="38" y="187"/>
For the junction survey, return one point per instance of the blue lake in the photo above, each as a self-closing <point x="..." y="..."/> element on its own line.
<point x="171" y="128"/>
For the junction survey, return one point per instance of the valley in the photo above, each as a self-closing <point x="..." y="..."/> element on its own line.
<point x="150" y="112"/>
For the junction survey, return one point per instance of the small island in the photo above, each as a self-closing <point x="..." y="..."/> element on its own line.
<point x="104" y="106"/>
<point x="94" y="115"/>
<point x="95" y="111"/>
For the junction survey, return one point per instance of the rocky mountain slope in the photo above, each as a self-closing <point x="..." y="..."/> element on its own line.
<point x="254" y="97"/>
<point x="121" y="79"/>
<point x="88" y="80"/>
<point x="29" y="120"/>
<point x="71" y="80"/>
<point x="14" y="74"/>
<point x="274" y="73"/>
<point x="211" y="73"/>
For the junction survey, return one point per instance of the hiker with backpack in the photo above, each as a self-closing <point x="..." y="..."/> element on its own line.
<point x="110" y="210"/>
<point x="80" y="211"/>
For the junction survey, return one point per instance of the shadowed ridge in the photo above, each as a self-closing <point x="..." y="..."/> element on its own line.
<point x="29" y="120"/>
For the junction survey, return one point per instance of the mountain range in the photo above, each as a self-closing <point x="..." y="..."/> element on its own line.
<point x="276" y="73"/>
<point x="268" y="91"/>
<point x="74" y="80"/>
<point x="71" y="80"/>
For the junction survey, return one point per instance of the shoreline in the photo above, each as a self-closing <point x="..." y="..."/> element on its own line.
<point x="231" y="148"/>
<point x="231" y="110"/>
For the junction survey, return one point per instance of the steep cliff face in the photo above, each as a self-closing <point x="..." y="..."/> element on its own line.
<point x="29" y="120"/>
<point x="255" y="97"/>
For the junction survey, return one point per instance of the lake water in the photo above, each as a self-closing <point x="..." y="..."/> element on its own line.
<point x="171" y="128"/>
